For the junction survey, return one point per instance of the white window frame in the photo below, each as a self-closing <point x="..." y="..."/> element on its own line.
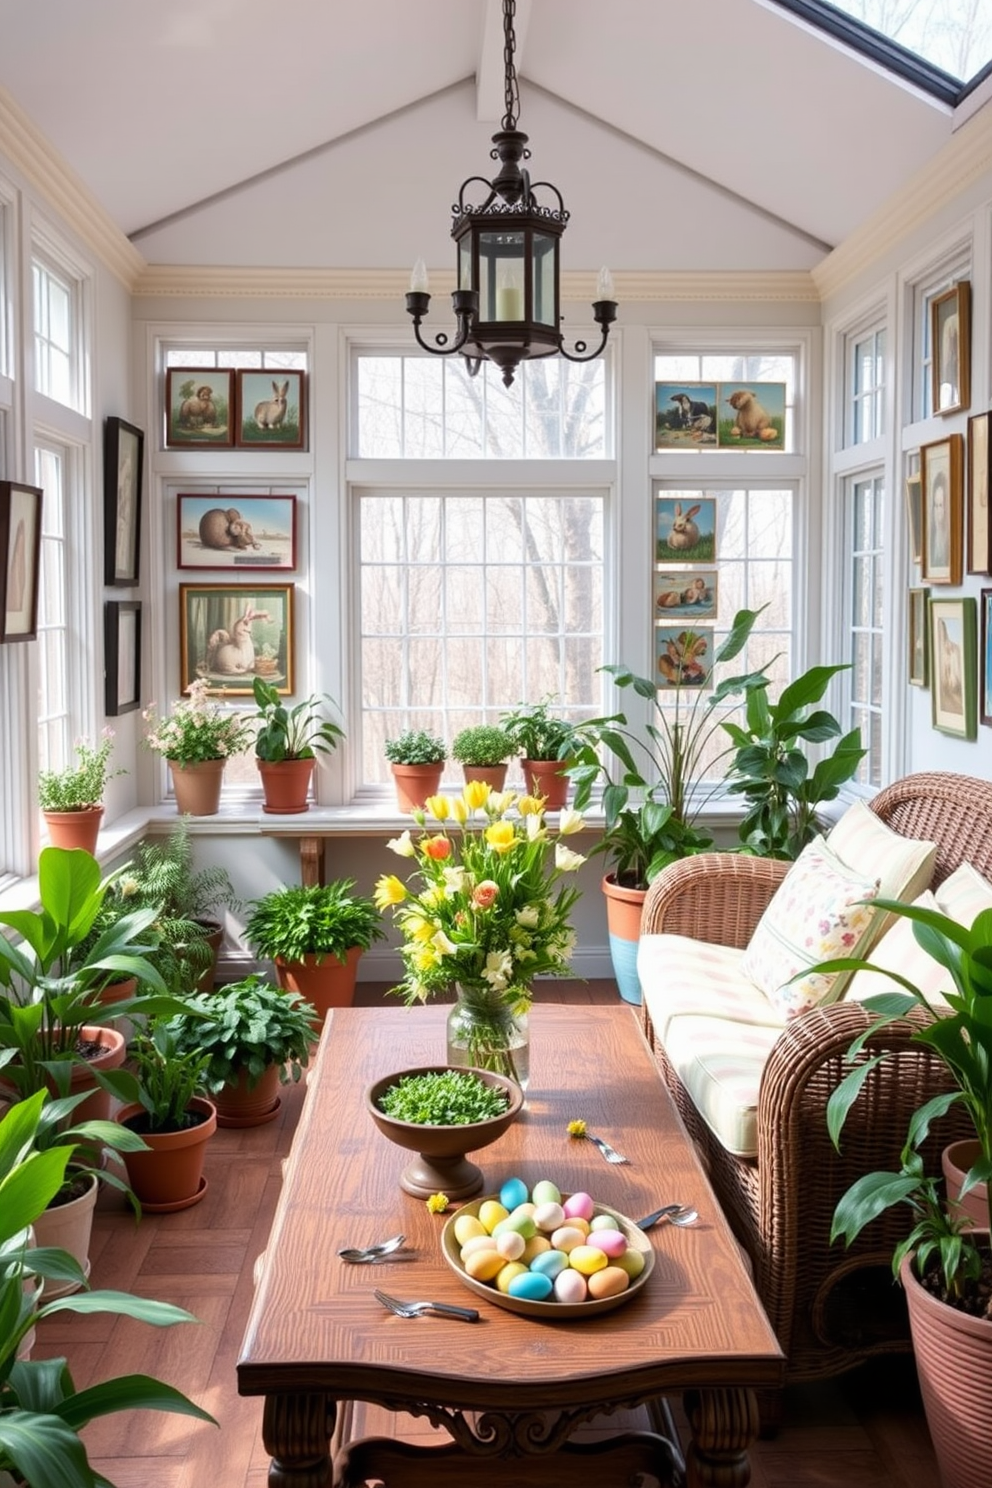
<point x="54" y="259"/>
<point x="874" y="478"/>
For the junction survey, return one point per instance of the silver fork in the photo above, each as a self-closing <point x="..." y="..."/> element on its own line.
<point x="610" y="1153"/>
<point x="417" y="1309"/>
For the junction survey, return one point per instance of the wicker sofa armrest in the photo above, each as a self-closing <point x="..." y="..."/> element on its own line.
<point x="713" y="897"/>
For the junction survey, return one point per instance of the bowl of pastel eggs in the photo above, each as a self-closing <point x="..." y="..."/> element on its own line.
<point x="546" y="1254"/>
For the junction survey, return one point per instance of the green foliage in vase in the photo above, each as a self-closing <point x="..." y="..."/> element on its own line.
<point x="537" y="733"/>
<point x="245" y="1027"/>
<point x="291" y="733"/>
<point x="415" y="747"/>
<point x="442" y="1098"/>
<point x="312" y="920"/>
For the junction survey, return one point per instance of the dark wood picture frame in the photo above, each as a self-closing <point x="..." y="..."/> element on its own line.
<point x="950" y="349"/>
<point x="199" y="407"/>
<point x="121" y="656"/>
<point x="271" y="407"/>
<point x="232" y="633"/>
<point x="942" y="469"/>
<point x="20" y="559"/>
<point x="123" y="464"/>
<point x="953" y="668"/>
<point x="985" y="660"/>
<point x="234" y="533"/>
<point x="918" y="634"/>
<point x="979" y="526"/>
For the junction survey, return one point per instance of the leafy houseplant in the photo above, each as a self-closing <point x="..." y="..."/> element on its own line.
<point x="72" y="799"/>
<point x="484" y="745"/>
<point x="196" y="739"/>
<point x="168" y="1109"/>
<point x="302" y="927"/>
<point x="415" y="747"/>
<point x="416" y="759"/>
<point x="545" y="740"/>
<point x="773" y="773"/>
<point x="287" y="744"/>
<point x="247" y="1028"/>
<point x="41" y="1411"/>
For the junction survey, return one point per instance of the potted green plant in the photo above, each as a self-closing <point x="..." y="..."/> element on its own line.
<point x="944" y="1266"/>
<point x="287" y="744"/>
<point x="547" y="743"/>
<point x="416" y="759"/>
<point x="315" y="935"/>
<point x="196" y="740"/>
<point x="257" y="1036"/>
<point x="172" y="1115"/>
<point x="482" y="751"/>
<point x="651" y="783"/>
<point x="41" y="1411"/>
<point x="71" y="800"/>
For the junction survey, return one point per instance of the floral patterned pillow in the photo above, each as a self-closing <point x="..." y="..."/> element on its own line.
<point x="816" y="914"/>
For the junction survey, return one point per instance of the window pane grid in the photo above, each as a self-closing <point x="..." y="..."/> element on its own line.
<point x="53" y="334"/>
<point x="867" y="501"/>
<point x="53" y="635"/>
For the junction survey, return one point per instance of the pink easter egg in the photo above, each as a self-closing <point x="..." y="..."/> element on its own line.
<point x="610" y="1242"/>
<point x="578" y="1206"/>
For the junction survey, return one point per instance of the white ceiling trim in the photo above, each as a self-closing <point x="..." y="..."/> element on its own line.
<point x="965" y="158"/>
<point x="45" y="170"/>
<point x="202" y="282"/>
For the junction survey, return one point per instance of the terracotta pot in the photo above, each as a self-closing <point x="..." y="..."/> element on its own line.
<point x="493" y="775"/>
<point x="75" y="828"/>
<point x="239" y="1105"/>
<point x="414" y="783"/>
<point x="956" y="1160"/>
<point x="327" y="984"/>
<point x="197" y="786"/>
<point x="286" y="785"/>
<point x="170" y="1176"/>
<point x="954" y="1363"/>
<point x="113" y="1052"/>
<point x="623" y="921"/>
<point x="545" y="778"/>
<point x="69" y="1227"/>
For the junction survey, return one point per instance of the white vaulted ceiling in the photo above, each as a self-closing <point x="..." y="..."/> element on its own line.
<point x="683" y="134"/>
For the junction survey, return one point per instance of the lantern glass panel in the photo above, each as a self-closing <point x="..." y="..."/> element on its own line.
<point x="465" y="262"/>
<point x="501" y="276"/>
<point x="545" y="257"/>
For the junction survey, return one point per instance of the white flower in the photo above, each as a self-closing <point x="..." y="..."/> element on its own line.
<point x="570" y="821"/>
<point x="529" y="916"/>
<point x="498" y="970"/>
<point x="567" y="861"/>
<point x="402" y="845"/>
<point x="442" y="944"/>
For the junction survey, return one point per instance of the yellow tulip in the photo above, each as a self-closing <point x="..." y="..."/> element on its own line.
<point x="501" y="836"/>
<point x="476" y="794"/>
<point x="531" y="805"/>
<point x="459" y="810"/>
<point x="389" y="890"/>
<point x="439" y="807"/>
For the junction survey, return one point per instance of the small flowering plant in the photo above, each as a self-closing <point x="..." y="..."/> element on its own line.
<point x="487" y="906"/>
<point x="81" y="786"/>
<point x="197" y="729"/>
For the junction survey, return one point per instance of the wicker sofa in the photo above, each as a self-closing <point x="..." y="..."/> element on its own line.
<point x="830" y="1307"/>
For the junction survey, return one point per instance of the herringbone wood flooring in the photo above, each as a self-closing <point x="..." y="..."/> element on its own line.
<point x="864" y="1431"/>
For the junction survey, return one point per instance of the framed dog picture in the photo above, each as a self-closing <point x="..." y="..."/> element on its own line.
<point x="123" y="457"/>
<point x="691" y="592"/>
<point x="751" y="415"/>
<point x="271" y="409"/>
<point x="683" y="657"/>
<point x="685" y="529"/>
<point x="684" y="415"/>
<point x="121" y="656"/>
<point x="953" y="666"/>
<point x="978" y="526"/>
<point x="232" y="633"/>
<point x="950" y="349"/>
<point x="919" y="640"/>
<point x="199" y="407"/>
<point x="942" y="467"/>
<point x="236" y="532"/>
<point x="20" y="556"/>
<point x="985" y="601"/>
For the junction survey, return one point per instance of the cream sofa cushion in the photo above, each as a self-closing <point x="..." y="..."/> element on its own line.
<point x="902" y="865"/>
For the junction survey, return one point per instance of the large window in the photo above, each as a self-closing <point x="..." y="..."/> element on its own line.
<point x="867" y="386"/>
<point x="56" y="335"/>
<point x="55" y="730"/>
<point x="866" y="508"/>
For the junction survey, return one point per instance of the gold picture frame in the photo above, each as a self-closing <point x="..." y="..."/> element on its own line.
<point x="942" y="469"/>
<point x="950" y="349"/>
<point x="918" y="659"/>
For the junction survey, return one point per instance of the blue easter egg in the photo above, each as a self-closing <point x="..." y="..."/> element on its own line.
<point x="513" y="1193"/>
<point x="531" y="1286"/>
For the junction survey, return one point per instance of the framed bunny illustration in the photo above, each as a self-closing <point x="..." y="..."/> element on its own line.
<point x="230" y="634"/>
<point x="271" y="409"/>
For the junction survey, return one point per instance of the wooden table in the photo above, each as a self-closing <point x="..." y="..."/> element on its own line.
<point x="316" y="1336"/>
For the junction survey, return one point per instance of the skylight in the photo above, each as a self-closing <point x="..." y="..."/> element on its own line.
<point x="944" y="46"/>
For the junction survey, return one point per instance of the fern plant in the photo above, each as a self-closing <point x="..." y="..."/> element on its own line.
<point x="312" y="920"/>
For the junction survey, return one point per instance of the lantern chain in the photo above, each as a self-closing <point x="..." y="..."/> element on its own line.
<point x="511" y="95"/>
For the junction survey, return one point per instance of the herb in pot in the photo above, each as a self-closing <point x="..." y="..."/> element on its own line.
<point x="443" y="1098"/>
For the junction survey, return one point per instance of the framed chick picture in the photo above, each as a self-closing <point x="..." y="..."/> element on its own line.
<point x="122" y="656"/>
<point x="199" y="408"/>
<point x="985" y="601"/>
<point x="688" y="592"/>
<point x="953" y="668"/>
<point x="271" y="409"/>
<point x="236" y="532"/>
<point x="123" y="455"/>
<point x="232" y="633"/>
<point x="919" y="639"/>
<point x="683" y="657"/>
<point x="20" y="555"/>
<point x="979" y="530"/>
<point x="950" y="349"/>
<point x="942" y="470"/>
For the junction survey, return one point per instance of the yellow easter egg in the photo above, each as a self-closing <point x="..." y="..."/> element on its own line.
<point x="609" y="1282"/>
<point x="586" y="1259"/>
<point x="575" y="1223"/>
<point x="535" y="1246"/>
<point x="467" y="1226"/>
<point x="490" y="1214"/>
<point x="484" y="1265"/>
<point x="478" y="1242"/>
<point x="567" y="1238"/>
<point x="632" y="1261"/>
<point x="509" y="1271"/>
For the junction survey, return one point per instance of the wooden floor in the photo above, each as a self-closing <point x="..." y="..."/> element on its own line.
<point x="863" y="1431"/>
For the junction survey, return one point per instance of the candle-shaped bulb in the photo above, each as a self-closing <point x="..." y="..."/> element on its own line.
<point x="604" y="285"/>
<point x="418" y="279"/>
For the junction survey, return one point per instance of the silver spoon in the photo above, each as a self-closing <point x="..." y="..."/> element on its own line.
<point x="676" y="1214"/>
<point x="363" y="1254"/>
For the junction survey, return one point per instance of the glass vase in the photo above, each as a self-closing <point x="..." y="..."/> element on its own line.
<point x="483" y="1032"/>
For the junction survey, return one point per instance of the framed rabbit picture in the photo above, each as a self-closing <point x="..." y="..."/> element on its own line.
<point x="271" y="409"/>
<point x="232" y="633"/>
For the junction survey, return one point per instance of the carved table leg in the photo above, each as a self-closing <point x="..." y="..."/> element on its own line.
<point x="724" y="1423"/>
<point x="297" y="1430"/>
<point x="311" y="861"/>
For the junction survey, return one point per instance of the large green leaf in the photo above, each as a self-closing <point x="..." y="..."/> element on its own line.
<point x="44" y="1450"/>
<point x="128" y="1392"/>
